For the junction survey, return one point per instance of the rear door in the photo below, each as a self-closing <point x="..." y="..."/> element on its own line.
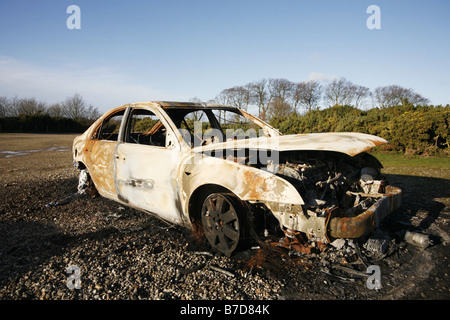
<point x="100" y="151"/>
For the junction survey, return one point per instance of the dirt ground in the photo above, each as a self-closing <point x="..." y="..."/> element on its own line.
<point x="127" y="254"/>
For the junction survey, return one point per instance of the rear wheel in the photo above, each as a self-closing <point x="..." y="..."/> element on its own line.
<point x="223" y="222"/>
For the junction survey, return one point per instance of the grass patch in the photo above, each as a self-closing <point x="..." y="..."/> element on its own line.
<point x="412" y="161"/>
<point x="415" y="165"/>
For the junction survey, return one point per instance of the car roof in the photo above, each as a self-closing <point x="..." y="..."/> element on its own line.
<point x="196" y="105"/>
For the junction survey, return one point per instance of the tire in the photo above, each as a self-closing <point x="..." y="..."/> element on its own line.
<point x="223" y="221"/>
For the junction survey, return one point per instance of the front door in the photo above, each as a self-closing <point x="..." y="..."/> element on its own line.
<point x="146" y="167"/>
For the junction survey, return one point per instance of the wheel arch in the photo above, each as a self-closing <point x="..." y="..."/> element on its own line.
<point x="80" y="165"/>
<point x="199" y="195"/>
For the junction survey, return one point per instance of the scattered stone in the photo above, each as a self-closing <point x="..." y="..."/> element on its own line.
<point x="338" y="243"/>
<point x="378" y="243"/>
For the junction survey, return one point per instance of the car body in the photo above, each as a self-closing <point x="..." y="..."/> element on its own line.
<point x="232" y="174"/>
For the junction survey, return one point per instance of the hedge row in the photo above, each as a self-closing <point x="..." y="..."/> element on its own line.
<point x="42" y="124"/>
<point x="409" y="129"/>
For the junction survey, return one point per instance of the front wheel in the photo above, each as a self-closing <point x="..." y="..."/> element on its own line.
<point x="223" y="222"/>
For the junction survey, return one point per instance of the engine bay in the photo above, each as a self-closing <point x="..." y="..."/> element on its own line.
<point x="332" y="181"/>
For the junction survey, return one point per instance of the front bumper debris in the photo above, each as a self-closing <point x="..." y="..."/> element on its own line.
<point x="366" y="222"/>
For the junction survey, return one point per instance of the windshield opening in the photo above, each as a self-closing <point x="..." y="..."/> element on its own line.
<point x="202" y="126"/>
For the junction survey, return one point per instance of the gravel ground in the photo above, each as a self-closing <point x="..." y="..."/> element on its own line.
<point x="124" y="254"/>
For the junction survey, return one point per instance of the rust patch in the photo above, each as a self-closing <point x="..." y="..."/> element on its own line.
<point x="363" y="224"/>
<point x="255" y="185"/>
<point x="275" y="259"/>
<point x="99" y="158"/>
<point x="294" y="240"/>
<point x="376" y="142"/>
<point x="301" y="135"/>
<point x="197" y="233"/>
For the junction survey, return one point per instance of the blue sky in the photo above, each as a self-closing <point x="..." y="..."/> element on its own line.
<point x="129" y="51"/>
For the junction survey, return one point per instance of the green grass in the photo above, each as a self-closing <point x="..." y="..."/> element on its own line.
<point x="413" y="161"/>
<point x="393" y="163"/>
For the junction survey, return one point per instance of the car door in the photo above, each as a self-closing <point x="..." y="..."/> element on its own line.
<point x="100" y="151"/>
<point x="146" y="165"/>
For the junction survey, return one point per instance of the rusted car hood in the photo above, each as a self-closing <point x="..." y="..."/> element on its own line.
<point x="345" y="142"/>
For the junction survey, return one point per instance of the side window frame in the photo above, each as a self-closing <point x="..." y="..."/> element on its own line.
<point x="127" y="128"/>
<point x="97" y="135"/>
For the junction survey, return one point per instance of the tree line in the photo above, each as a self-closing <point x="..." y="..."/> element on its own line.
<point x="278" y="97"/>
<point x="73" y="114"/>
<point x="400" y="115"/>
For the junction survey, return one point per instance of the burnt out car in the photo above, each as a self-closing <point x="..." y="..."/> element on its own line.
<point x="220" y="170"/>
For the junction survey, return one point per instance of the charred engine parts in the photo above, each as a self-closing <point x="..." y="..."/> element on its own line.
<point x="332" y="182"/>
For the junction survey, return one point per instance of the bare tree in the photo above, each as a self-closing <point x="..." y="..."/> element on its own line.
<point x="223" y="98"/>
<point x="238" y="96"/>
<point x="360" y="95"/>
<point x="4" y="107"/>
<point x="241" y="97"/>
<point x="55" y="110"/>
<point x="395" y="95"/>
<point x="416" y="99"/>
<point x="195" y="99"/>
<point x="196" y="115"/>
<point x="387" y="96"/>
<point x="343" y="92"/>
<point x="339" y="92"/>
<point x="92" y="113"/>
<point x="29" y="106"/>
<point x="307" y="94"/>
<point x="279" y="108"/>
<point x="280" y="90"/>
<point x="76" y="108"/>
<point x="260" y="96"/>
<point x="280" y="93"/>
